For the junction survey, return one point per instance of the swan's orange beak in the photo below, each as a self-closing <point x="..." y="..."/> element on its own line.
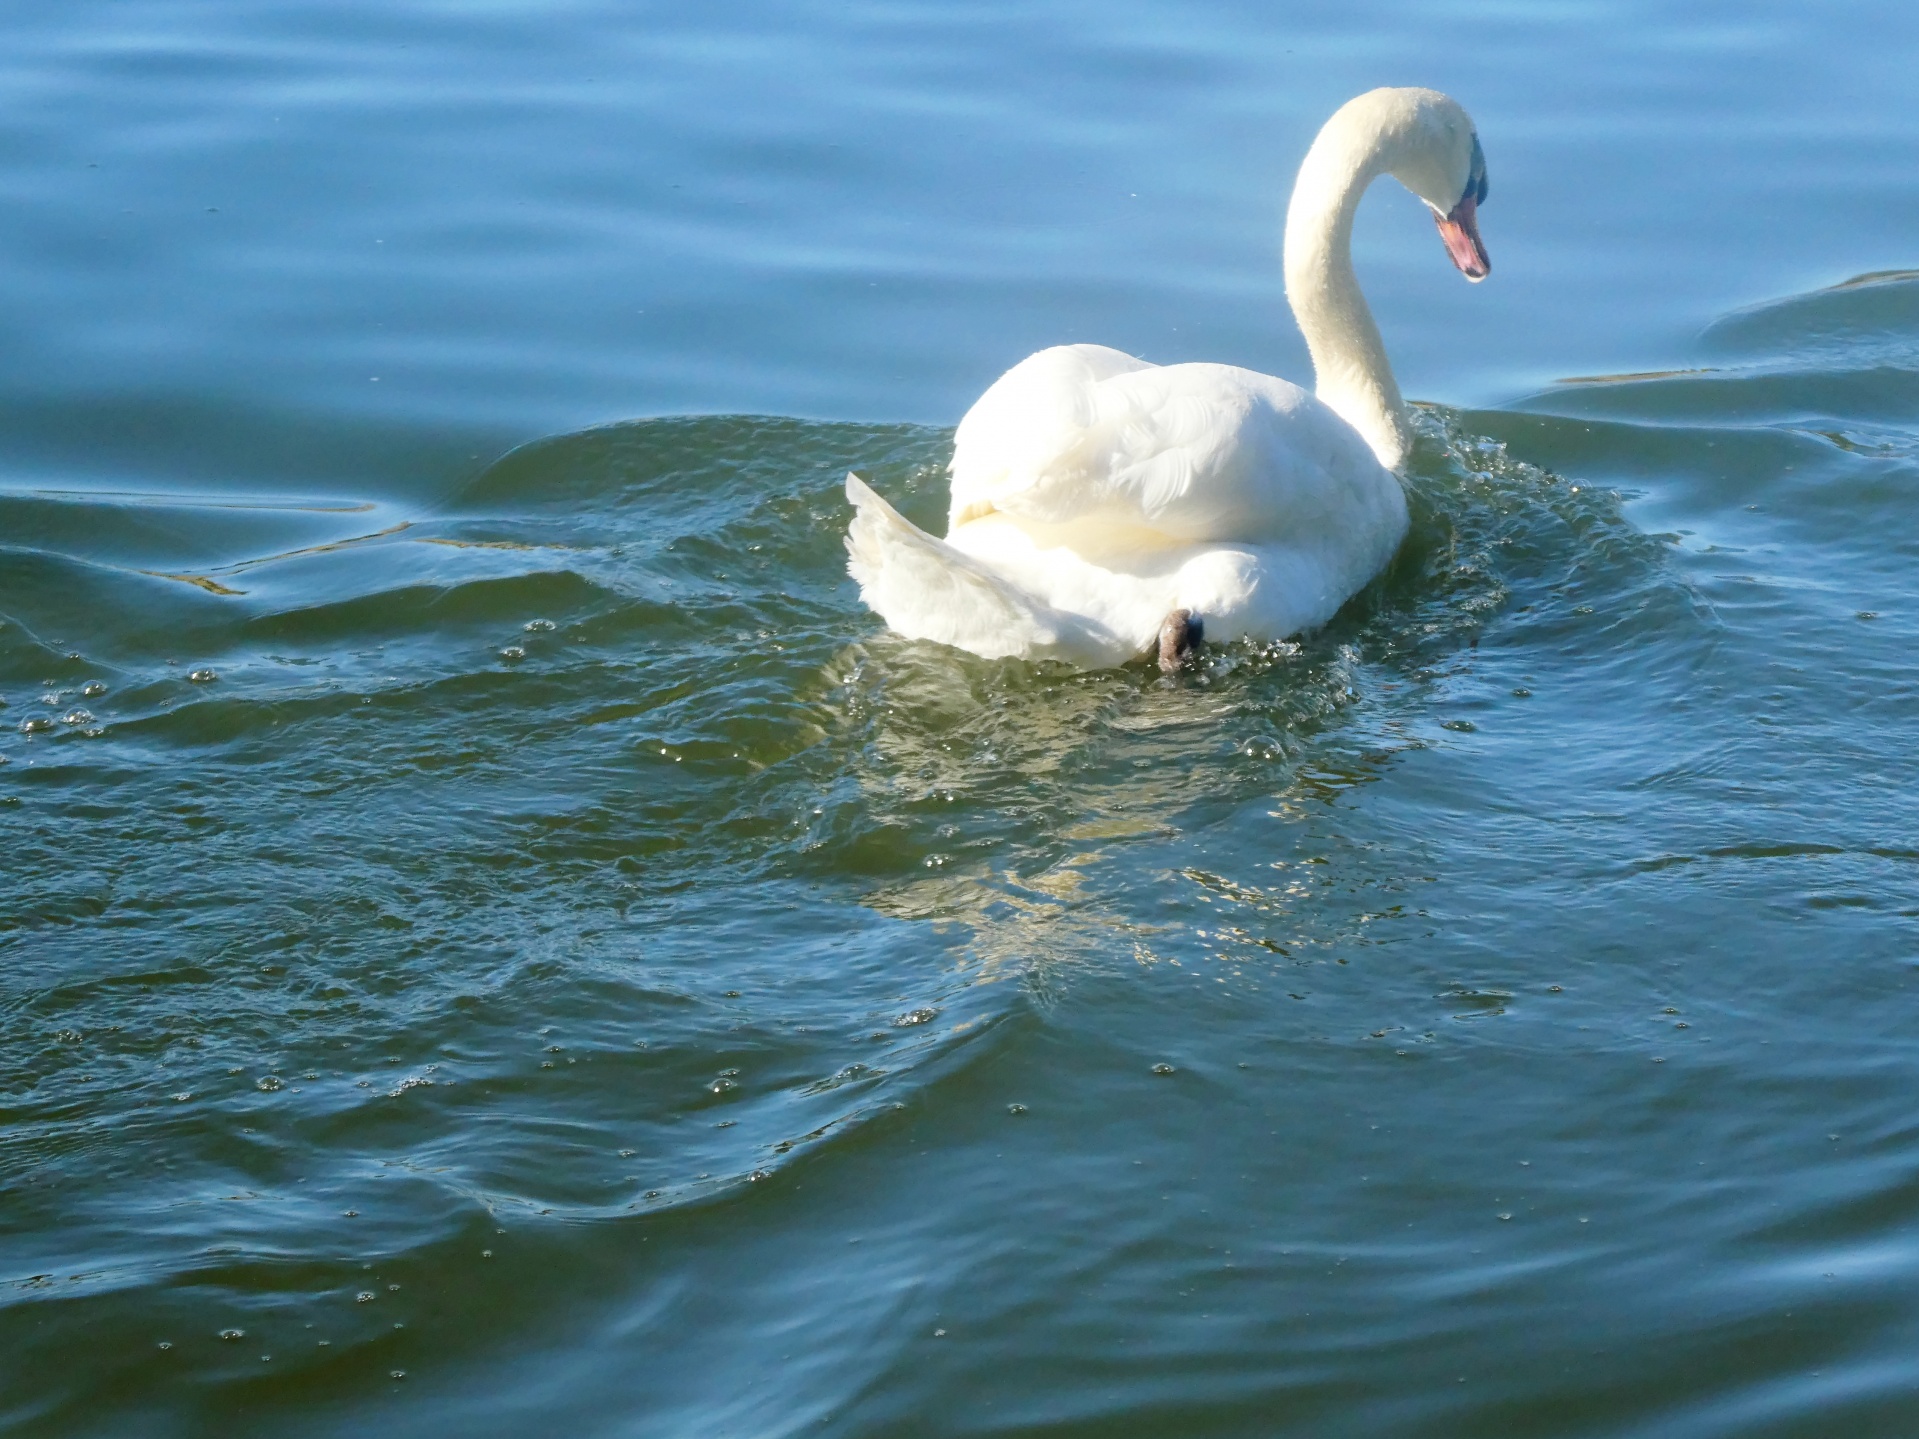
<point x="1460" y="231"/>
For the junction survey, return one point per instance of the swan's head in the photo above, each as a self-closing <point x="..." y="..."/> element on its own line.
<point x="1433" y="150"/>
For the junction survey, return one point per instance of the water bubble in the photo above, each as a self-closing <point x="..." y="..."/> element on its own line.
<point x="183" y="1096"/>
<point x="204" y="676"/>
<point x="1522" y="693"/>
<point x="365" y="1296"/>
<point x="730" y="994"/>
<point x="397" y="1373"/>
<point x="166" y="1344"/>
<point x="94" y="690"/>
<point x="269" y="1083"/>
<point x="351" y="1213"/>
<point x="535" y="627"/>
<point x="628" y="1153"/>
<point x="35" y="724"/>
<point x="1016" y="1109"/>
<point x="722" y="1085"/>
<point x="1164" y="1069"/>
<point x="757" y="1175"/>
<point x="486" y="1254"/>
<point x="76" y="716"/>
<point x="393" y="1289"/>
<point x="726" y="1124"/>
<point x="729" y="1073"/>
<point x="513" y="654"/>
<point x="233" y="1334"/>
<point x="1555" y="989"/>
<point x="916" y="1016"/>
<point x="1505" y="1216"/>
<point x="1460" y="726"/>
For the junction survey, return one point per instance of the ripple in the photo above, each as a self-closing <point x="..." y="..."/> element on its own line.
<point x="384" y="944"/>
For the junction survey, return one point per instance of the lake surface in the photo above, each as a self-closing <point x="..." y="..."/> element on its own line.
<point x="497" y="941"/>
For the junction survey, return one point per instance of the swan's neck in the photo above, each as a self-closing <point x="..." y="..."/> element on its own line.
<point x="1349" y="360"/>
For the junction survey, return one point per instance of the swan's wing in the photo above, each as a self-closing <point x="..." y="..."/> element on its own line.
<point x="1216" y="453"/>
<point x="925" y="589"/>
<point x="1034" y="437"/>
<point x="1191" y="452"/>
<point x="1182" y="444"/>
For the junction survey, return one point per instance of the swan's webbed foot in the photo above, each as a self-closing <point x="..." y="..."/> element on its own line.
<point x="1179" y="637"/>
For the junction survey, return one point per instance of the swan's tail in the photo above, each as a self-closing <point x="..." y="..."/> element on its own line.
<point x="927" y="590"/>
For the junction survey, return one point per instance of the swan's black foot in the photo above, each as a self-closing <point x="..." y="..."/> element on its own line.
<point x="1179" y="637"/>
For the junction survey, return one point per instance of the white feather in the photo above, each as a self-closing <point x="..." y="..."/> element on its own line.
<point x="930" y="591"/>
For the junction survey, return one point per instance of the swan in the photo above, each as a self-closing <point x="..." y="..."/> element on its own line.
<point x="1104" y="508"/>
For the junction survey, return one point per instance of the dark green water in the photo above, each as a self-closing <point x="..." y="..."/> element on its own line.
<point x="495" y="940"/>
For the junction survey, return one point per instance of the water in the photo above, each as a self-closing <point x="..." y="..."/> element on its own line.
<point x="496" y="941"/>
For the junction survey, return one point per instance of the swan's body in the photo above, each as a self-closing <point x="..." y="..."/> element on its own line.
<point x="1098" y="499"/>
<point x="1207" y="488"/>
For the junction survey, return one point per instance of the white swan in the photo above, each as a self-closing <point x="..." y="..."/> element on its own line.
<point x="1103" y="507"/>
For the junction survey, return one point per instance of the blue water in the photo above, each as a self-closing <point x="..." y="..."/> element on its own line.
<point x="498" y="941"/>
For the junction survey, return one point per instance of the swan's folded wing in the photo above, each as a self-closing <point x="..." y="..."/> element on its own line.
<point x="1191" y="452"/>
<point x="1177" y="443"/>
<point x="1033" y="442"/>
<point x="926" y="589"/>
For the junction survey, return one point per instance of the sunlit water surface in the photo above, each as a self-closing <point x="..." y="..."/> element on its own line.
<point x="496" y="941"/>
